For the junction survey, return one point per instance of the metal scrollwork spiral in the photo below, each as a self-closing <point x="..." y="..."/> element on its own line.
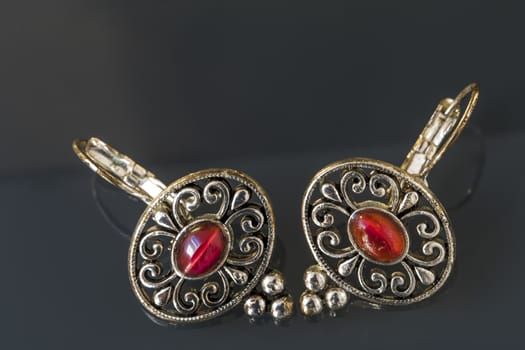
<point x="341" y="192"/>
<point x="238" y="209"/>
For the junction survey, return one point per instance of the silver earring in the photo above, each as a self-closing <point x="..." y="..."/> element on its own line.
<point x="376" y="230"/>
<point x="202" y="245"/>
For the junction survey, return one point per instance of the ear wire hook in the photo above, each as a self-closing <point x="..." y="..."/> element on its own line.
<point x="441" y="131"/>
<point x="118" y="169"/>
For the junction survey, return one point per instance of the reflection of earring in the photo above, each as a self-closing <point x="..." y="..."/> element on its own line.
<point x="202" y="245"/>
<point x="376" y="230"/>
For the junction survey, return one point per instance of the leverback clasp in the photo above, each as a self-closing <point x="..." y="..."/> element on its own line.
<point x="118" y="169"/>
<point x="441" y="131"/>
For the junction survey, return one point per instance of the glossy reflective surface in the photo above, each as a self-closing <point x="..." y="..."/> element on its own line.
<point x="201" y="249"/>
<point x="278" y="90"/>
<point x="378" y="234"/>
<point x="85" y="300"/>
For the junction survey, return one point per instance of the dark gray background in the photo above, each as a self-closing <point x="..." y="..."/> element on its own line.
<point x="276" y="89"/>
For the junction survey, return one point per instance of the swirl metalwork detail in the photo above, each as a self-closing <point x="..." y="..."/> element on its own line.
<point x="343" y="188"/>
<point x="226" y="197"/>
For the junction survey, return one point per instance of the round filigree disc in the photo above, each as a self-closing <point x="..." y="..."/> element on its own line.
<point x="217" y="195"/>
<point x="344" y="187"/>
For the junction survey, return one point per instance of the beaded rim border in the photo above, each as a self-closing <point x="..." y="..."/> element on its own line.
<point x="228" y="174"/>
<point x="419" y="185"/>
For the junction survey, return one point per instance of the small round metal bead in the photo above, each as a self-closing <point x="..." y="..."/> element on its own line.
<point x="336" y="298"/>
<point x="273" y="283"/>
<point x="315" y="279"/>
<point x="282" y="308"/>
<point x="310" y="304"/>
<point x="255" y="306"/>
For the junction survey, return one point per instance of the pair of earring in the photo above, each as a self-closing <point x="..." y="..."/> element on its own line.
<point x="204" y="243"/>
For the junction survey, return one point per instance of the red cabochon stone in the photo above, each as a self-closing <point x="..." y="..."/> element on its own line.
<point x="378" y="234"/>
<point x="201" y="250"/>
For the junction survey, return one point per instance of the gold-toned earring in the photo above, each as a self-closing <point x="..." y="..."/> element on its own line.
<point x="376" y="230"/>
<point x="203" y="244"/>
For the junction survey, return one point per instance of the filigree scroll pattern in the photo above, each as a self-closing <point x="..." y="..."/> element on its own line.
<point x="238" y="209"/>
<point x="359" y="188"/>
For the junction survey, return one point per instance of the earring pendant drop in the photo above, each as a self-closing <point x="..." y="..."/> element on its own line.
<point x="376" y="230"/>
<point x="202" y="245"/>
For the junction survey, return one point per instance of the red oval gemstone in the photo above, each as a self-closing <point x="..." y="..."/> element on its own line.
<point x="201" y="249"/>
<point x="378" y="234"/>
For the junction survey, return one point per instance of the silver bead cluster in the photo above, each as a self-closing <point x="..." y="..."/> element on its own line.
<point x="318" y="294"/>
<point x="271" y="297"/>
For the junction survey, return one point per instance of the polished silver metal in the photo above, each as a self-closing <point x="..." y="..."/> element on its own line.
<point x="342" y="189"/>
<point x="282" y="308"/>
<point x="227" y="198"/>
<point x="310" y="304"/>
<point x="255" y="306"/>
<point x="320" y="293"/>
<point x="118" y="169"/>
<point x="441" y="131"/>
<point x="335" y="298"/>
<point x="314" y="279"/>
<point x="273" y="283"/>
